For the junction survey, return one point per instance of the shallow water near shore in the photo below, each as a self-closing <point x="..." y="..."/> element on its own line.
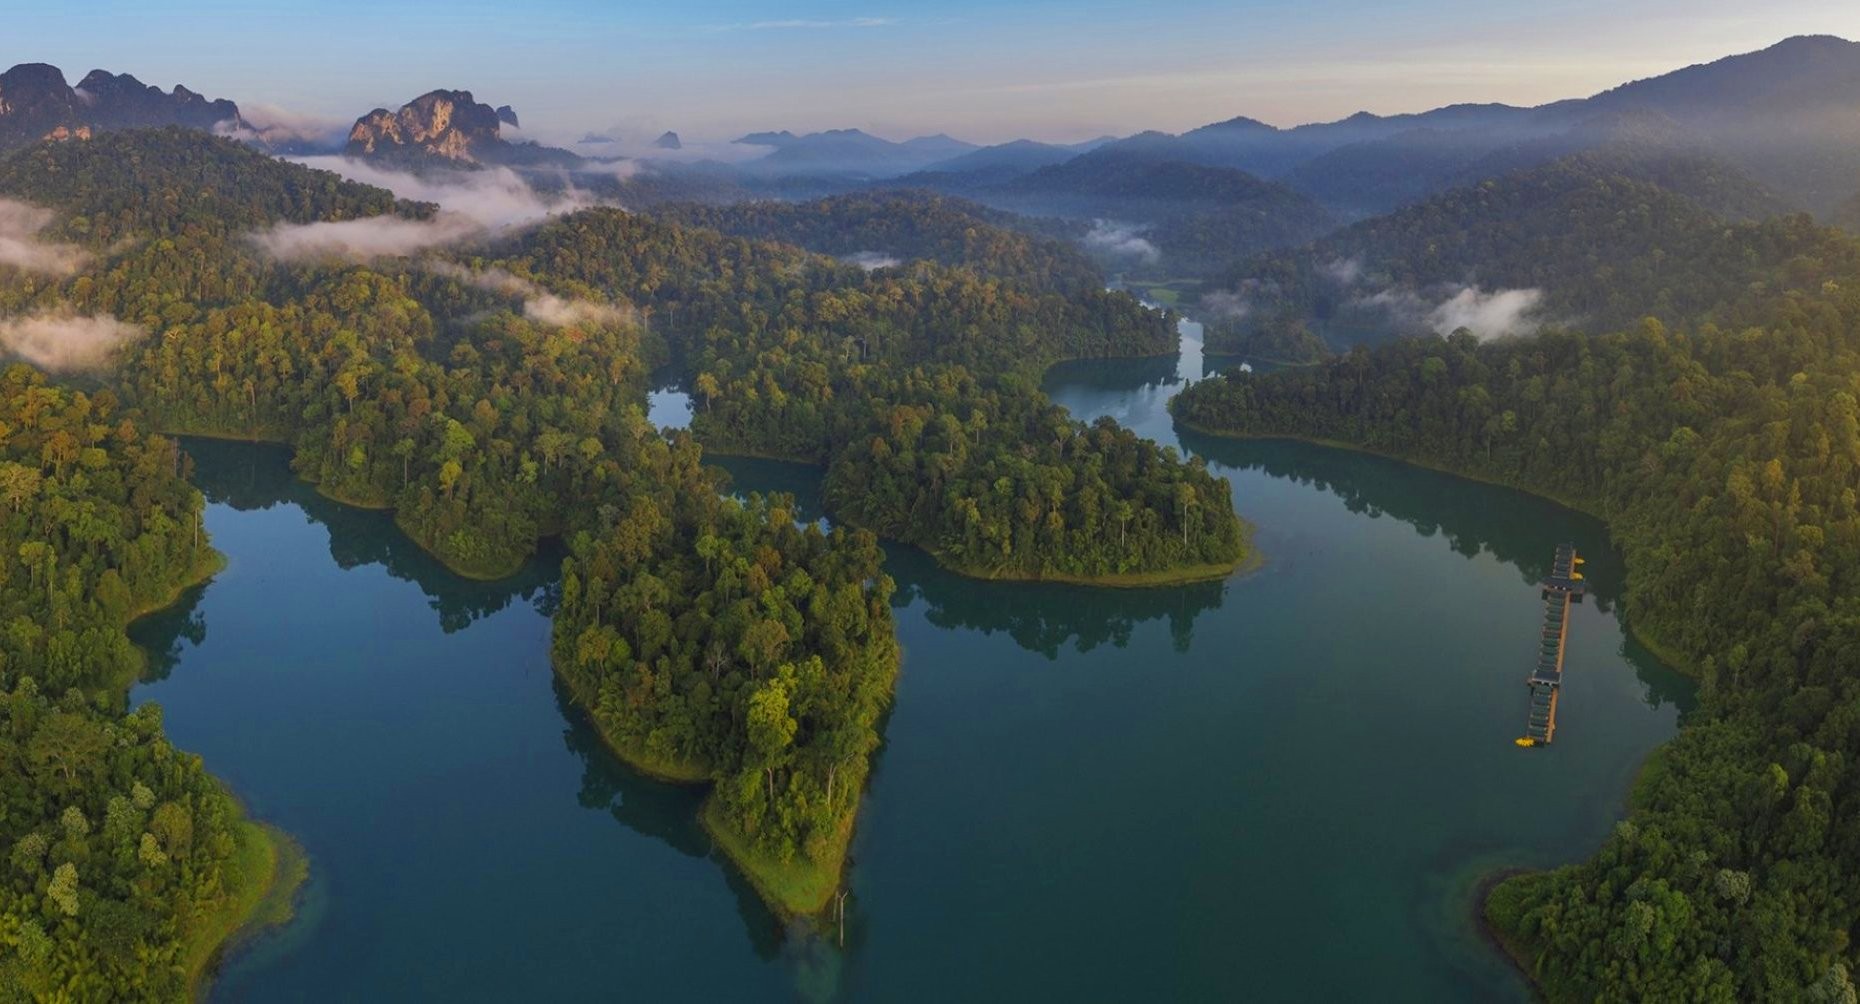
<point x="1282" y="786"/>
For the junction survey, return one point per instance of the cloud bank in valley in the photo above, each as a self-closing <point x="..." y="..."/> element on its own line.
<point x="1226" y="305"/>
<point x="1447" y="309"/>
<point x="21" y="247"/>
<point x="539" y="304"/>
<point x="364" y="239"/>
<point x="63" y="343"/>
<point x="473" y="206"/>
<point x="496" y="197"/>
<point x="1122" y="240"/>
<point x="281" y="127"/>
<point x="871" y="260"/>
<point x="1488" y="315"/>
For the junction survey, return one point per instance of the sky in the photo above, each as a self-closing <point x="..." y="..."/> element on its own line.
<point x="981" y="70"/>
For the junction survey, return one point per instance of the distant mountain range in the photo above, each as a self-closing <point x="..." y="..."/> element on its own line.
<point x="850" y="153"/>
<point x="1786" y="115"/>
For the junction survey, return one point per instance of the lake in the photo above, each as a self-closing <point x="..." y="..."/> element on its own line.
<point x="1283" y="786"/>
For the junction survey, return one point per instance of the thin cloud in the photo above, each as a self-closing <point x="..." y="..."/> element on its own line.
<point x="64" y="342"/>
<point x="539" y="304"/>
<point x="473" y="206"/>
<point x="366" y="239"/>
<point x="808" y="24"/>
<point x="21" y="247"/>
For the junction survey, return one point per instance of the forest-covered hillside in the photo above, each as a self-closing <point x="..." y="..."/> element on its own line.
<point x="1725" y="461"/>
<point x="489" y="390"/>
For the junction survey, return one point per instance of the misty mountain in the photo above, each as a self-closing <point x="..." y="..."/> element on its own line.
<point x="1193" y="217"/>
<point x="448" y="128"/>
<point x="992" y="164"/>
<point x="890" y="228"/>
<point x="1785" y="114"/>
<point x="1594" y="240"/>
<point x="849" y="153"/>
<point x="36" y="103"/>
<point x="668" y="141"/>
<point x="1378" y="176"/>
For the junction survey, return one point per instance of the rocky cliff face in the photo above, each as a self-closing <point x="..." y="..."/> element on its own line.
<point x="36" y="103"/>
<point x="447" y="128"/>
<point x="34" y="100"/>
<point x="120" y="101"/>
<point x="443" y="124"/>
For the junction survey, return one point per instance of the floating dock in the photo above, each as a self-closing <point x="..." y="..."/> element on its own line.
<point x="1564" y="587"/>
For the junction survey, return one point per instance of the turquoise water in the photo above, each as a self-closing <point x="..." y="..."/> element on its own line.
<point x="1278" y="787"/>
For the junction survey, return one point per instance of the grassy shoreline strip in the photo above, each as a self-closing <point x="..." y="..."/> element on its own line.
<point x="272" y="867"/>
<point x="797" y="888"/>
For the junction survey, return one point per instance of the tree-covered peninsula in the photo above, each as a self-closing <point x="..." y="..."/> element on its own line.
<point x="493" y="398"/>
<point x="1725" y="462"/>
<point x="127" y="865"/>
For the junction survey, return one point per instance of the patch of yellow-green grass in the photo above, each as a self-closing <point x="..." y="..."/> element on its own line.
<point x="210" y="564"/>
<point x="661" y="768"/>
<point x="1501" y="909"/>
<point x="352" y="501"/>
<point x="263" y="877"/>
<point x="501" y="567"/>
<point x="1250" y="559"/>
<point x="114" y="685"/>
<point x="746" y="453"/>
<point x="269" y="437"/>
<point x="797" y="888"/>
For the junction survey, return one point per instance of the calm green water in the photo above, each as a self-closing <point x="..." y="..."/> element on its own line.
<point x="1277" y="788"/>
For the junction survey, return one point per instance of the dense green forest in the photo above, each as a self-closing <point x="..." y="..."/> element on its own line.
<point x="1725" y="462"/>
<point x="710" y="639"/>
<point x="1197" y="219"/>
<point x="852" y="374"/>
<point x="1606" y="237"/>
<point x="126" y="863"/>
<point x="906" y="226"/>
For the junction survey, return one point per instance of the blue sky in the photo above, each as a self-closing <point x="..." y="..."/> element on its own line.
<point x="983" y="71"/>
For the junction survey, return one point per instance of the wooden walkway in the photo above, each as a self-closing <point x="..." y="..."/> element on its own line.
<point x="1565" y="586"/>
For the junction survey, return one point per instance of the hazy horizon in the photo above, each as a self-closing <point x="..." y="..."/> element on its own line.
<point x="714" y="69"/>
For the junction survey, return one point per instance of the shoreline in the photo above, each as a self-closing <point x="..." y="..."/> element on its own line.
<point x="1491" y="931"/>
<point x="763" y="876"/>
<point x="265" y="905"/>
<point x="387" y="507"/>
<point x="1338" y="444"/>
<point x="1495" y="938"/>
<point x="271" y="866"/>
<point x="1249" y="561"/>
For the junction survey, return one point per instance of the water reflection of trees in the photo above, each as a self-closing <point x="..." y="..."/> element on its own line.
<point x="1518" y="529"/>
<point x="1039" y="617"/>
<point x="248" y="477"/>
<point x="664" y="812"/>
<point x="166" y="634"/>
<point x="1047" y="618"/>
<point x="1114" y="374"/>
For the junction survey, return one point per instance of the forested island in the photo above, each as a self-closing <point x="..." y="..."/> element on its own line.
<point x="709" y="639"/>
